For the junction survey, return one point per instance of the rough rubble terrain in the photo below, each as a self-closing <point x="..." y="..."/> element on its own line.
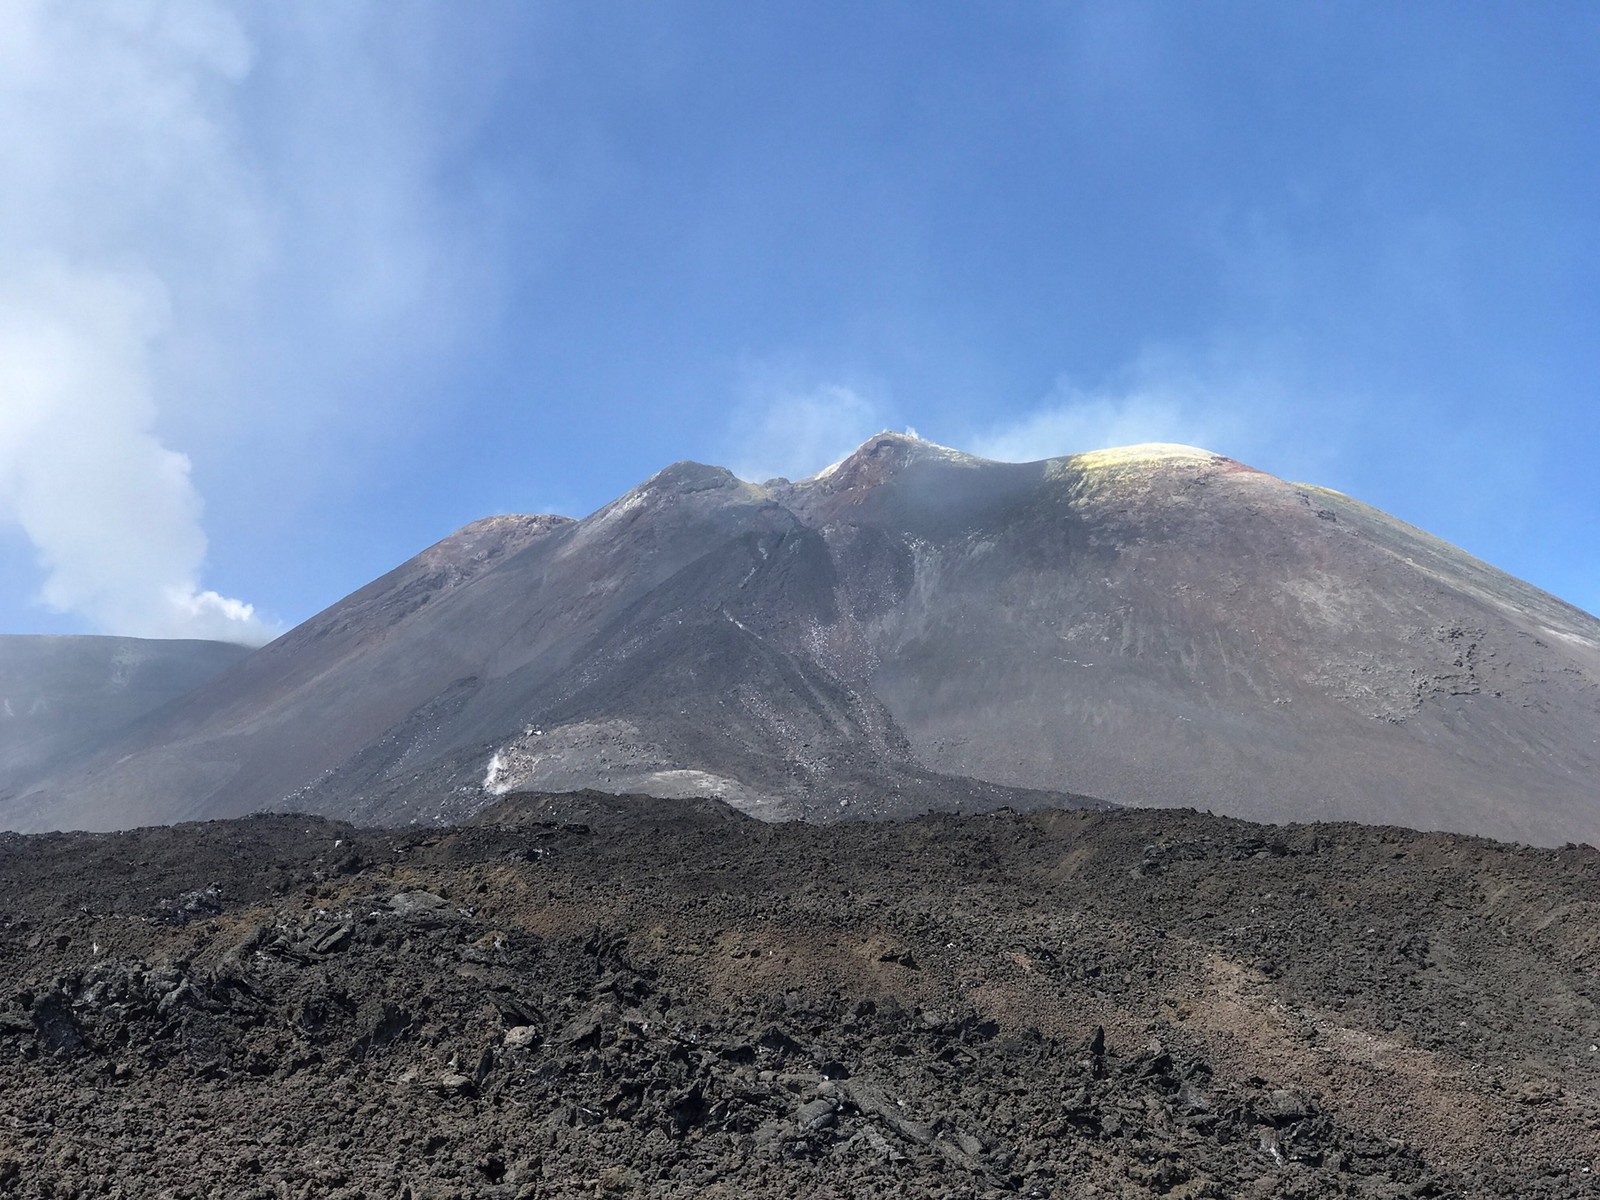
<point x="592" y="996"/>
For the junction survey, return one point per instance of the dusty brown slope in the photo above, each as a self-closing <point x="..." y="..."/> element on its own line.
<point x="1156" y="626"/>
<point x="581" y="996"/>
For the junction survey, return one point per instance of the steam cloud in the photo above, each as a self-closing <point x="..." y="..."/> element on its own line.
<point x="120" y="177"/>
<point x="1073" y="421"/>
<point x="795" y="432"/>
<point x="1228" y="401"/>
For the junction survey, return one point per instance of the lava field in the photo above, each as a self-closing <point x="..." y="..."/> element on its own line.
<point x="585" y="995"/>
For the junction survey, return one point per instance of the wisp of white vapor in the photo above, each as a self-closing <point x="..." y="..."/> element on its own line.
<point x="1228" y="399"/>
<point x="112" y="512"/>
<point x="118" y="173"/>
<point x="794" y="432"/>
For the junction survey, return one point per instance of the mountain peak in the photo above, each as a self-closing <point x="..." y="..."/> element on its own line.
<point x="1144" y="452"/>
<point x="891" y="449"/>
<point x="1161" y="466"/>
<point x="916" y="626"/>
<point x="885" y="452"/>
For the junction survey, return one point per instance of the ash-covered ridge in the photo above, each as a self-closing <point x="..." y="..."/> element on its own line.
<point x="913" y="627"/>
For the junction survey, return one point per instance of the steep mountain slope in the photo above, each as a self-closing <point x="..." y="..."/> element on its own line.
<point x="303" y="704"/>
<point x="1156" y="625"/>
<point x="63" y="698"/>
<point x="1159" y="625"/>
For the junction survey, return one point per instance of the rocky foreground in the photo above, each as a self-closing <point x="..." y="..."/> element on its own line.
<point x="586" y="996"/>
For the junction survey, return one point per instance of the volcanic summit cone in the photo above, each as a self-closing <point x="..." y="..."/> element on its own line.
<point x="1155" y="625"/>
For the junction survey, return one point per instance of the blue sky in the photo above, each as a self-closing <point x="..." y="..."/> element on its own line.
<point x="289" y="292"/>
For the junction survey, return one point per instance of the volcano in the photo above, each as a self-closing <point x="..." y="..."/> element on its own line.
<point x="912" y="628"/>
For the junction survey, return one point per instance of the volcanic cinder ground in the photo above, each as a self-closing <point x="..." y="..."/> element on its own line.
<point x="913" y="628"/>
<point x="623" y="997"/>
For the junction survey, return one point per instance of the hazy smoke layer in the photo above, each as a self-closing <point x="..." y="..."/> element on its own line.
<point x="119" y="176"/>
<point x="1072" y="424"/>
<point x="795" y="432"/>
<point x="1225" y="399"/>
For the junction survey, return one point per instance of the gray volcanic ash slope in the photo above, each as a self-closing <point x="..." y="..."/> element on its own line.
<point x="1156" y="625"/>
<point x="63" y="698"/>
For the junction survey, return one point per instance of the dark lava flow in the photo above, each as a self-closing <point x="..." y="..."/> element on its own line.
<point x="591" y="996"/>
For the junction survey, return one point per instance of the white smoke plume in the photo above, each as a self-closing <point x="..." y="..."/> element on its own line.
<point x="794" y="432"/>
<point x="120" y="176"/>
<point x="1228" y="400"/>
<point x="1071" y="424"/>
